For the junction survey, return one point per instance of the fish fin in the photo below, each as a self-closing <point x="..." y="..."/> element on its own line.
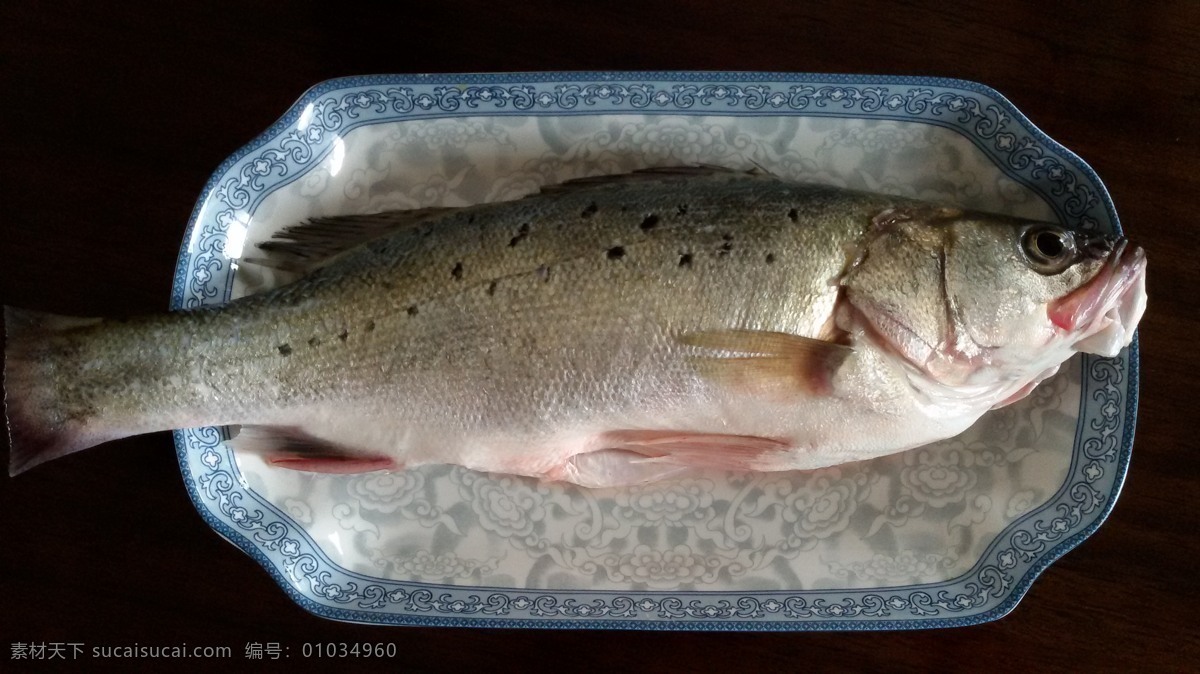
<point x="1025" y="390"/>
<point x="315" y="243"/>
<point x="615" y="468"/>
<point x="771" y="363"/>
<point x="696" y="450"/>
<point x="333" y="465"/>
<point x="291" y="448"/>
<point x="1018" y="396"/>
<point x="630" y="457"/>
<point x="38" y="429"/>
<point x="653" y="174"/>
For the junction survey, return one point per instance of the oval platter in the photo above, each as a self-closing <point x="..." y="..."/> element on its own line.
<point x="945" y="535"/>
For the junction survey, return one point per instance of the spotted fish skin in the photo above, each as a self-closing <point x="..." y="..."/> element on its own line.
<point x="605" y="332"/>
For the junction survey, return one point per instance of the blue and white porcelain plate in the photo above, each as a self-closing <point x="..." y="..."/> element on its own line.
<point x="949" y="534"/>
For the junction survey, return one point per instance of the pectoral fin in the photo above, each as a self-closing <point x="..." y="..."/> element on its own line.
<point x="770" y="363"/>
<point x="291" y="448"/>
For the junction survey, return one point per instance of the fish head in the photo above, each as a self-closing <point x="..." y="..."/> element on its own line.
<point x="993" y="302"/>
<point x="1027" y="286"/>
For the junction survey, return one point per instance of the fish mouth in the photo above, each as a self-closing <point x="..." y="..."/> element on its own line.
<point x="1100" y="316"/>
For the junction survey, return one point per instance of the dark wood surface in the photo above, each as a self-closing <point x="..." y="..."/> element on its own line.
<point x="113" y="119"/>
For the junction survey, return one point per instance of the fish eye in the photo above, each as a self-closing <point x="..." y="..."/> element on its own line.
<point x="1048" y="249"/>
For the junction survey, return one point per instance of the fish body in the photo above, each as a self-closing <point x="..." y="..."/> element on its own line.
<point x="606" y="332"/>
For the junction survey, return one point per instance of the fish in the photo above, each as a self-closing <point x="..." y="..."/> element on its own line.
<point x="608" y="331"/>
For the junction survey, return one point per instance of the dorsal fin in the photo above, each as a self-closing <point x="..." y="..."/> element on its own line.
<point x="652" y="174"/>
<point x="309" y="245"/>
<point x="314" y="243"/>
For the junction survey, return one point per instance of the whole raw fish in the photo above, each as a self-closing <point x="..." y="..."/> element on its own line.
<point x="605" y="332"/>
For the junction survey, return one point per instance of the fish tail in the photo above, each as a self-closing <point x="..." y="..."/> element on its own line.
<point x="39" y="428"/>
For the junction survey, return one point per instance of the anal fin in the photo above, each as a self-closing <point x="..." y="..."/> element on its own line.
<point x="293" y="449"/>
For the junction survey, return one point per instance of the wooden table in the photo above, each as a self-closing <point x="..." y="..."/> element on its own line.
<point x="114" y="117"/>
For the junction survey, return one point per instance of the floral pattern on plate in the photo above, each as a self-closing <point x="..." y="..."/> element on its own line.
<point x="952" y="533"/>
